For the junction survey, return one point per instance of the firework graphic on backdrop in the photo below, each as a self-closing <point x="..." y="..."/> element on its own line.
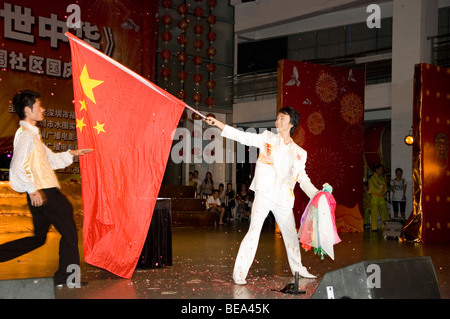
<point x="299" y="136"/>
<point x="327" y="166"/>
<point x="316" y="123"/>
<point x="327" y="88"/>
<point x="352" y="139"/>
<point x="352" y="108"/>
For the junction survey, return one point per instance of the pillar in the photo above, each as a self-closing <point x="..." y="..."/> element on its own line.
<point x="413" y="22"/>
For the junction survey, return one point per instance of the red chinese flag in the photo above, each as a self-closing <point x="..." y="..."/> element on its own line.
<point x="128" y="121"/>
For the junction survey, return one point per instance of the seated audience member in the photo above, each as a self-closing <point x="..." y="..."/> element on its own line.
<point x="230" y="201"/>
<point x="213" y="205"/>
<point x="243" y="201"/>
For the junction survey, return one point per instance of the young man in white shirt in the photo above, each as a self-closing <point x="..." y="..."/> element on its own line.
<point x="31" y="171"/>
<point x="281" y="164"/>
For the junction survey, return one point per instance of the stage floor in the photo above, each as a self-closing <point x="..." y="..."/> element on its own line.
<point x="203" y="260"/>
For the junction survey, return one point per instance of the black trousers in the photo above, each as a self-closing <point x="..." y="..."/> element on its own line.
<point x="56" y="211"/>
<point x="399" y="204"/>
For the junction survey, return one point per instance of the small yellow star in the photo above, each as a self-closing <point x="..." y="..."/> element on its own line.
<point x="80" y="124"/>
<point x="83" y="105"/>
<point x="99" y="127"/>
<point x="88" y="84"/>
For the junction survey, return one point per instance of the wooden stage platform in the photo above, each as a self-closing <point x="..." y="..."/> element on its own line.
<point x="203" y="260"/>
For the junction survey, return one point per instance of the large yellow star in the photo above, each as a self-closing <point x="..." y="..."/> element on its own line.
<point x="99" y="127"/>
<point x="88" y="84"/>
<point x="83" y="105"/>
<point x="80" y="124"/>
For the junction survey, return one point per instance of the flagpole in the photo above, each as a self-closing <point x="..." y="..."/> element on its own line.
<point x="195" y="111"/>
<point x="130" y="72"/>
<point x="121" y="66"/>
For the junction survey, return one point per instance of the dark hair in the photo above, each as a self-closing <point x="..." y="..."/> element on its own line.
<point x="399" y="169"/>
<point x="206" y="178"/>
<point x="377" y="166"/>
<point x="294" y="117"/>
<point x="23" y="99"/>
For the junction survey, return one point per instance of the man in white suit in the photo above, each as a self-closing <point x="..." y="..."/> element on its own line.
<point x="281" y="163"/>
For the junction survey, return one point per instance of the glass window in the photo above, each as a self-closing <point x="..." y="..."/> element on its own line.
<point x="340" y="45"/>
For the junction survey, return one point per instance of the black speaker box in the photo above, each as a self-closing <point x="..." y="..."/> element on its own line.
<point x="33" y="288"/>
<point x="400" y="278"/>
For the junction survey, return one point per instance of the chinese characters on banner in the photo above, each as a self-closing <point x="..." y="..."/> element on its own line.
<point x="19" y="24"/>
<point x="35" y="55"/>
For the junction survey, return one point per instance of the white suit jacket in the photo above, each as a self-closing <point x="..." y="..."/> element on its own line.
<point x="266" y="173"/>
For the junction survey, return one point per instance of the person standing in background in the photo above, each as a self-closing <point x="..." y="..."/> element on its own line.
<point x="398" y="189"/>
<point x="190" y="181"/>
<point x="377" y="189"/>
<point x="207" y="185"/>
<point x="197" y="184"/>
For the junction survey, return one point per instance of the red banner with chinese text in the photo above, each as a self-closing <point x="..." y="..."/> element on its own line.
<point x="35" y="55"/>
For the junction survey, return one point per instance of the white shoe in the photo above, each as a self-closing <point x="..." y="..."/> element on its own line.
<point x="305" y="274"/>
<point x="240" y="281"/>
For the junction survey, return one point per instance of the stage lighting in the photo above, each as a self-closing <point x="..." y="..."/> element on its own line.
<point x="409" y="139"/>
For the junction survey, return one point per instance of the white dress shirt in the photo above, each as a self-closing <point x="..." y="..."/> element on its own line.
<point x="23" y="146"/>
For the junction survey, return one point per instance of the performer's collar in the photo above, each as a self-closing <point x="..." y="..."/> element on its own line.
<point x="30" y="127"/>
<point x="289" y="140"/>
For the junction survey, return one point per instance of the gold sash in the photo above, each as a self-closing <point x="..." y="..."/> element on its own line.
<point x="38" y="167"/>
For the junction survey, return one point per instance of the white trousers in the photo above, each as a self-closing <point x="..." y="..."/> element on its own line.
<point x="262" y="205"/>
